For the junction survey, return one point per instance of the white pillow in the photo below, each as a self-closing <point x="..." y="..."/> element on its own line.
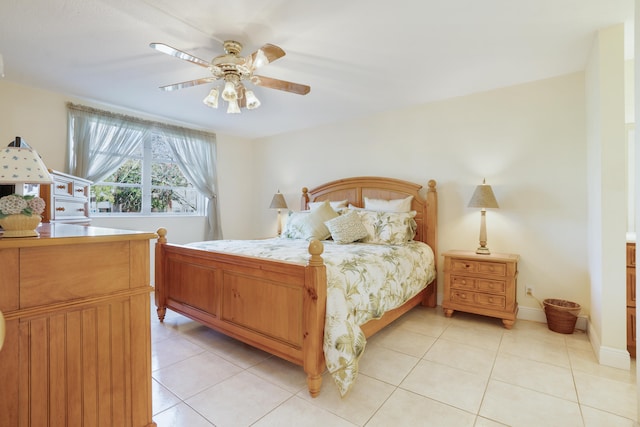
<point x="347" y="228"/>
<point x="335" y="205"/>
<point x="313" y="227"/>
<point x="396" y="205"/>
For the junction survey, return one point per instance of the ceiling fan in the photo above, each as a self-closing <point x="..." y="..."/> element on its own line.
<point x="234" y="69"/>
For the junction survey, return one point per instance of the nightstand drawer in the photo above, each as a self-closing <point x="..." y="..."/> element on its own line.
<point x="492" y="268"/>
<point x="493" y="301"/>
<point x="492" y="286"/>
<point x="462" y="297"/>
<point x="461" y="282"/>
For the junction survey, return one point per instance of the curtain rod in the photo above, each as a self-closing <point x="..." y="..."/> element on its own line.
<point x="87" y="109"/>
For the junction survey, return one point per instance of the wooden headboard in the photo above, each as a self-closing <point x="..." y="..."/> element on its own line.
<point x="354" y="190"/>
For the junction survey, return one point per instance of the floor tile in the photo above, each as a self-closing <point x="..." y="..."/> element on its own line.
<point x="386" y="365"/>
<point x="516" y="406"/>
<point x="410" y="409"/>
<point x="612" y="396"/>
<point x="297" y="412"/>
<point x="462" y="356"/>
<point x="543" y="377"/>
<point x="181" y="415"/>
<point x="455" y="387"/>
<point x="238" y="401"/>
<point x="190" y="376"/>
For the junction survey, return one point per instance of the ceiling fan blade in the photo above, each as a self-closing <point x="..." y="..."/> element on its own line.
<point x="161" y="47"/>
<point x="280" y="85"/>
<point x="263" y="56"/>
<point x="188" y="83"/>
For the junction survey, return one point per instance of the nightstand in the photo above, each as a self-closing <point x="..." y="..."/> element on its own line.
<point x="481" y="284"/>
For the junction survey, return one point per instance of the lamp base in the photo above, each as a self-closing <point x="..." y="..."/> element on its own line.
<point x="483" y="250"/>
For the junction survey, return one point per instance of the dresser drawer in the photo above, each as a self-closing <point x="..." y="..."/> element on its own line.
<point x="492" y="268"/>
<point x="62" y="187"/>
<point x="65" y="209"/>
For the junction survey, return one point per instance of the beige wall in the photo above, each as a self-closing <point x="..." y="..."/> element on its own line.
<point x="529" y="143"/>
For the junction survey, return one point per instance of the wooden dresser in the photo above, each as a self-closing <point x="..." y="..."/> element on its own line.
<point x="631" y="299"/>
<point x="481" y="284"/>
<point x="77" y="352"/>
<point x="67" y="199"/>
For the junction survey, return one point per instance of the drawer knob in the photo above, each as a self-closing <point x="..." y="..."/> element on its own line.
<point x="79" y="190"/>
<point x="80" y="210"/>
<point x="464" y="282"/>
<point x="60" y="209"/>
<point x="61" y="187"/>
<point x="463" y="296"/>
<point x="490" y="299"/>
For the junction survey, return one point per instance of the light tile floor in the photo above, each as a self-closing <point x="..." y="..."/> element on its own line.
<point x="423" y="370"/>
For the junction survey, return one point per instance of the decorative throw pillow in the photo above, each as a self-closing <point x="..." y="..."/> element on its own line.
<point x="347" y="228"/>
<point x="313" y="226"/>
<point x="389" y="228"/>
<point x="396" y="205"/>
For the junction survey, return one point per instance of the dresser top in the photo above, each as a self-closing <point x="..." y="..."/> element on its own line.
<point x="480" y="257"/>
<point x="62" y="234"/>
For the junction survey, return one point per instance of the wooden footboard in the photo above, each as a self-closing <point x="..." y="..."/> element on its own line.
<point x="243" y="297"/>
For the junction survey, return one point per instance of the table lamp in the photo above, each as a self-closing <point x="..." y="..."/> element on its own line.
<point x="278" y="202"/>
<point x="483" y="198"/>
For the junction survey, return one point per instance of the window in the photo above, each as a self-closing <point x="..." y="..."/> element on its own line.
<point x="148" y="181"/>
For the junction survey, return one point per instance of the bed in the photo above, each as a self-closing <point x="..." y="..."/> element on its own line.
<point x="280" y="305"/>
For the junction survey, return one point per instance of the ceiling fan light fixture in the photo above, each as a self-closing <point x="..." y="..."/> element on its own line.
<point x="233" y="107"/>
<point x="211" y="100"/>
<point x="229" y="93"/>
<point x="252" y="100"/>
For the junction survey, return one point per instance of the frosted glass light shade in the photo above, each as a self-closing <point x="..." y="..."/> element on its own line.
<point x="211" y="100"/>
<point x="229" y="93"/>
<point x="252" y="100"/>
<point x="233" y="107"/>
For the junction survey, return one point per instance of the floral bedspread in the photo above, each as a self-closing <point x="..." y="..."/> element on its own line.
<point x="363" y="281"/>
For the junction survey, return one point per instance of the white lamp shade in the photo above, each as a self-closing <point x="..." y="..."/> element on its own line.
<point x="22" y="165"/>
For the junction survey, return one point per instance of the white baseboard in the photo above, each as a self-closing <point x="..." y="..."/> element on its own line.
<point x="608" y="356"/>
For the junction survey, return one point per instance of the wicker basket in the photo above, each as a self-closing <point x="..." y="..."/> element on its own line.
<point x="561" y="315"/>
<point x="20" y="225"/>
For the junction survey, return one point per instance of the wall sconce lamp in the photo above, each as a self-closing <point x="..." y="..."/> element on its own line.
<point x="483" y="198"/>
<point x="278" y="202"/>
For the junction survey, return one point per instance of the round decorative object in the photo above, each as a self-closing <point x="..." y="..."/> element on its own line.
<point x="20" y="225"/>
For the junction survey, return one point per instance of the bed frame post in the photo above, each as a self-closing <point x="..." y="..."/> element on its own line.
<point x="159" y="293"/>
<point x="431" y="237"/>
<point x="314" y="303"/>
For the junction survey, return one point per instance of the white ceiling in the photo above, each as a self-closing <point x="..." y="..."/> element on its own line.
<point x="360" y="57"/>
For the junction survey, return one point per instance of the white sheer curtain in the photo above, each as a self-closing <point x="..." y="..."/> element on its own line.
<point x="195" y="153"/>
<point x="98" y="142"/>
